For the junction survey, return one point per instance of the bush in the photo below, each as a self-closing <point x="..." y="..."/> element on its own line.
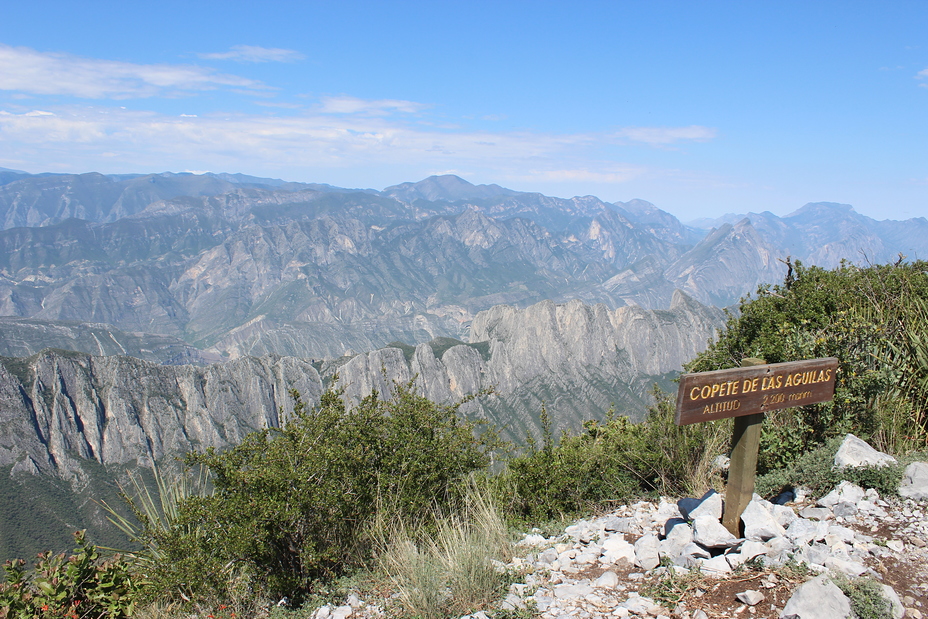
<point x="611" y="461"/>
<point x="874" y="320"/>
<point x="78" y="586"/>
<point x="866" y="596"/>
<point x="815" y="471"/>
<point x="291" y="505"/>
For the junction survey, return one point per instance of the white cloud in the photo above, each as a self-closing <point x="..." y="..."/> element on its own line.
<point x="604" y="174"/>
<point x="49" y="73"/>
<point x="255" y="53"/>
<point x="344" y="134"/>
<point x="923" y="74"/>
<point x="662" y="136"/>
<point x="353" y="105"/>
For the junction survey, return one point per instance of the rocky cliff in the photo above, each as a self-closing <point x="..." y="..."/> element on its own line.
<point x="24" y="337"/>
<point x="575" y="359"/>
<point x="59" y="408"/>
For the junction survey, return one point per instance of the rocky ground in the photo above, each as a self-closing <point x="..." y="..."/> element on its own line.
<point x="616" y="565"/>
<point x="674" y="559"/>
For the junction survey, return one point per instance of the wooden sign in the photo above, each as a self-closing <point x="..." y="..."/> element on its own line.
<point x="720" y="394"/>
<point x="746" y="393"/>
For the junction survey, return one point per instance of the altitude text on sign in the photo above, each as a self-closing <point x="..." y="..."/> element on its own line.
<point x="720" y="394"/>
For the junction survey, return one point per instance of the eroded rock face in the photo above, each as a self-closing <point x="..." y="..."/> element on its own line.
<point x="57" y="408"/>
<point x="574" y="358"/>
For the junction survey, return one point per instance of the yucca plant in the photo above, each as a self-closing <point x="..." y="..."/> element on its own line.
<point x="909" y="353"/>
<point x="158" y="514"/>
<point x="903" y="351"/>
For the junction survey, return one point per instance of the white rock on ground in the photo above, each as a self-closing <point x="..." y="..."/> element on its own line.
<point x="846" y="492"/>
<point x="915" y="481"/>
<point x="750" y="597"/>
<point x="709" y="532"/>
<point x="818" y="598"/>
<point x="554" y="568"/>
<point x="647" y="552"/>
<point x="855" y="452"/>
<point x="709" y="505"/>
<point x="892" y="597"/>
<point x="759" y="523"/>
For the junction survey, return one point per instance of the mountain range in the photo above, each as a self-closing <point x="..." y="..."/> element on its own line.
<point x="142" y="316"/>
<point x="237" y="265"/>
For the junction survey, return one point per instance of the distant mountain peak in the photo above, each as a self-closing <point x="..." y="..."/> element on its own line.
<point x="447" y="187"/>
<point x="822" y="208"/>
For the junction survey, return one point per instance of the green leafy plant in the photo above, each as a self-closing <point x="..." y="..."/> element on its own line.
<point x="866" y="595"/>
<point x="671" y="587"/>
<point x="873" y="320"/>
<point x="815" y="471"/>
<point x="611" y="461"/>
<point x="292" y="506"/>
<point x="78" y="586"/>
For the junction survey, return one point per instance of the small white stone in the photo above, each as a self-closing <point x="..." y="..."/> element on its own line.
<point x="342" y="612"/>
<point x="750" y="597"/>
<point x="608" y="580"/>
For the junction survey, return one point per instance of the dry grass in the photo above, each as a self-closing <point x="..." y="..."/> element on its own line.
<point x="450" y="564"/>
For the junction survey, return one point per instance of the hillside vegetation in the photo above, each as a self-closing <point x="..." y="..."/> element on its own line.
<point x="293" y="509"/>
<point x="874" y="320"/>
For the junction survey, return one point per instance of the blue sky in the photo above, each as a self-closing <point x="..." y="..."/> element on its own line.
<point x="702" y="108"/>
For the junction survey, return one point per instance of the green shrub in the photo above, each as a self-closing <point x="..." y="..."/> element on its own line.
<point x="866" y="595"/>
<point x="78" y="586"/>
<point x="815" y="471"/>
<point x="874" y="320"/>
<point x="291" y="505"/>
<point x="613" y="460"/>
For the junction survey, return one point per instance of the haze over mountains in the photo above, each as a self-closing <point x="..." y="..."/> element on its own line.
<point x="241" y="265"/>
<point x="183" y="307"/>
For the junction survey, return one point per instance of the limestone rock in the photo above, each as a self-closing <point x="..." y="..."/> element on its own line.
<point x="679" y="537"/>
<point x="818" y="598"/>
<point x="709" y="505"/>
<point x="616" y="549"/>
<point x="855" y="452"/>
<point x="914" y="483"/>
<point x="716" y="566"/>
<point x="816" y="513"/>
<point x="759" y="523"/>
<point x="750" y="597"/>
<point x="845" y="492"/>
<point x="747" y="551"/>
<point x="710" y="533"/>
<point x="647" y="553"/>
<point x="607" y="580"/>
<point x="898" y="610"/>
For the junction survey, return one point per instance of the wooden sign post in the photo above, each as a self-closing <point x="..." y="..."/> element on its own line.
<point x="746" y="393"/>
